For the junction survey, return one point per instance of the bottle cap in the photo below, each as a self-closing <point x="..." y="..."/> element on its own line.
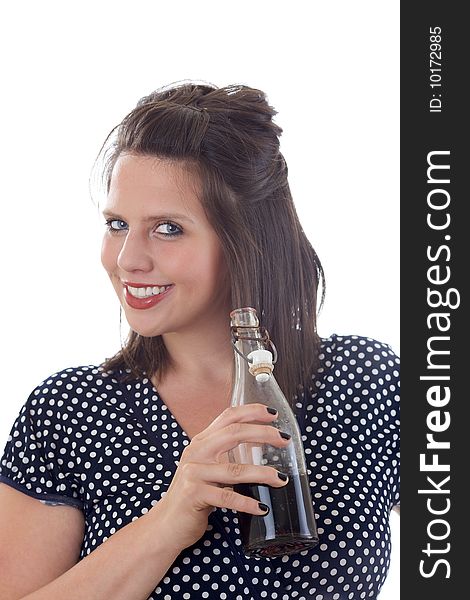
<point x="261" y="364"/>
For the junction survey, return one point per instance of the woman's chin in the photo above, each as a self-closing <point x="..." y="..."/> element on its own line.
<point x="146" y="332"/>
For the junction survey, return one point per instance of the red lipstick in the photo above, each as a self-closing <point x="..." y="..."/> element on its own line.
<point x="143" y="303"/>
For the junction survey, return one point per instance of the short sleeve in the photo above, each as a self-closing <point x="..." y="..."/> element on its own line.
<point x="33" y="461"/>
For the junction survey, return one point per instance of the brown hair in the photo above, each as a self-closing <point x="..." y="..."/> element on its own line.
<point x="226" y="136"/>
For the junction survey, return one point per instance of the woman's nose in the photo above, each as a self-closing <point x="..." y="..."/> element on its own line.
<point x="135" y="253"/>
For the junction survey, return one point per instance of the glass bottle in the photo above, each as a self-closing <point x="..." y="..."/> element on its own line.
<point x="289" y="526"/>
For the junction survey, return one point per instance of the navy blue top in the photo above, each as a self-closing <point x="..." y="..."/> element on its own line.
<point x="110" y="449"/>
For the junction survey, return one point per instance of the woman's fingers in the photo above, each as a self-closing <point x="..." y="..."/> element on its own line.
<point x="220" y="441"/>
<point x="241" y="414"/>
<point x="227" y="498"/>
<point x="202" y="480"/>
<point x="233" y="473"/>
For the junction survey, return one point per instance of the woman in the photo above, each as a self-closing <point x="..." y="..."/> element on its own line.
<point x="128" y="459"/>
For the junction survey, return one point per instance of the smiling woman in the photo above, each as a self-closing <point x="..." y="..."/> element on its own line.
<point x="143" y="254"/>
<point x="126" y="462"/>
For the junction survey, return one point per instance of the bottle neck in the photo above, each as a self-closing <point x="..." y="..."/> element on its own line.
<point x="248" y="339"/>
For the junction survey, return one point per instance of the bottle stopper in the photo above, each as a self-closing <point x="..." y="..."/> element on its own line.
<point x="261" y="364"/>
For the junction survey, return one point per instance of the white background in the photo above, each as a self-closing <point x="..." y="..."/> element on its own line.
<point x="73" y="72"/>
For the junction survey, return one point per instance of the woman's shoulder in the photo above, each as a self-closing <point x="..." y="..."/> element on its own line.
<point x="357" y="350"/>
<point x="355" y="362"/>
<point x="85" y="375"/>
<point x="72" y="396"/>
<point x="358" y="385"/>
<point x="82" y="382"/>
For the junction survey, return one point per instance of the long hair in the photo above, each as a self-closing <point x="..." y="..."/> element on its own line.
<point x="226" y="136"/>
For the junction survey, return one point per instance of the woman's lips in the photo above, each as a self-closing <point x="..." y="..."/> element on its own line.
<point x="143" y="303"/>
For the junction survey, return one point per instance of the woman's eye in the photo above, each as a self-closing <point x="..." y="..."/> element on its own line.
<point x="171" y="229"/>
<point x="115" y="224"/>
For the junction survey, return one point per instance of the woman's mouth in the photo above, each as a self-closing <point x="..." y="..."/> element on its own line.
<point x="145" y="297"/>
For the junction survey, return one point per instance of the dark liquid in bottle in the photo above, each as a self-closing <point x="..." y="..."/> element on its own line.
<point x="289" y="526"/>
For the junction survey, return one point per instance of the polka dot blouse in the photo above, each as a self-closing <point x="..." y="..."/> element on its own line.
<point x="86" y="439"/>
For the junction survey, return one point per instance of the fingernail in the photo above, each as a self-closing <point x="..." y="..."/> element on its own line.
<point x="285" y="436"/>
<point x="282" y="476"/>
<point x="271" y="411"/>
<point x="264" y="507"/>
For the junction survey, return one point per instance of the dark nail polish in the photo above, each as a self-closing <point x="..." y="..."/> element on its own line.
<point x="285" y="436"/>
<point x="282" y="476"/>
<point x="271" y="411"/>
<point x="264" y="507"/>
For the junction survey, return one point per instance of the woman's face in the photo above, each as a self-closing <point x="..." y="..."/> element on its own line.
<point x="157" y="234"/>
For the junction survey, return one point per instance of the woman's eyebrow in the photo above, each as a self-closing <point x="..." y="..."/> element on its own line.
<point x="110" y="215"/>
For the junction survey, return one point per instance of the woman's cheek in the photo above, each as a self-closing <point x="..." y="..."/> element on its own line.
<point x="182" y="263"/>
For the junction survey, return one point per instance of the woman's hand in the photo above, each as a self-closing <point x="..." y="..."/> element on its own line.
<point x="204" y="478"/>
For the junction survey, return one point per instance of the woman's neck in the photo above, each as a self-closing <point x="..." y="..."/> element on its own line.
<point x="200" y="356"/>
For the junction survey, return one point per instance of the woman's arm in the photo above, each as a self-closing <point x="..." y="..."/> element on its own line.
<point x="127" y="566"/>
<point x="41" y="543"/>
